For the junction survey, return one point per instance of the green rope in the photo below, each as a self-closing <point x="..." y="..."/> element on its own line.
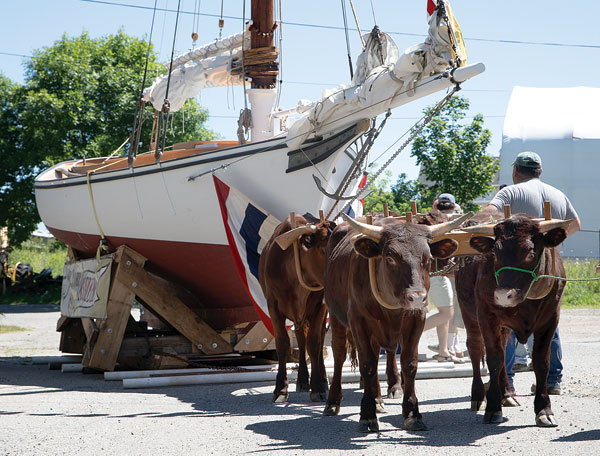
<point x="536" y="277"/>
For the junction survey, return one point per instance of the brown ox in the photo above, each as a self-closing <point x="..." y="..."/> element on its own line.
<point x="492" y="306"/>
<point x="386" y="315"/>
<point x="287" y="298"/>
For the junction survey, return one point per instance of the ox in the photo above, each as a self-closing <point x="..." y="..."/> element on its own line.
<point x="499" y="291"/>
<point x="393" y="257"/>
<point x="295" y="291"/>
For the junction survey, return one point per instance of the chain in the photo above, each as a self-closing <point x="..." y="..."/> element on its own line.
<point x="425" y="121"/>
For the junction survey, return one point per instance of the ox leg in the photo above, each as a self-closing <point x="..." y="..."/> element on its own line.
<point x="302" y="383"/>
<point x="494" y="345"/>
<point x="282" y="345"/>
<point x="339" y="345"/>
<point x="318" y="383"/>
<point x="393" y="376"/>
<point x="508" y="399"/>
<point x="475" y="348"/>
<point x="544" y="417"/>
<point x="368" y="360"/>
<point x="413" y="421"/>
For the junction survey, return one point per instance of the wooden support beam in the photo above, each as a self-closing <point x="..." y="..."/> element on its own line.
<point x="72" y="337"/>
<point x="120" y="299"/>
<point x="257" y="339"/>
<point x="163" y="297"/>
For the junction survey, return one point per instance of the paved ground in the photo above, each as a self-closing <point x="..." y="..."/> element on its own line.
<point x="48" y="412"/>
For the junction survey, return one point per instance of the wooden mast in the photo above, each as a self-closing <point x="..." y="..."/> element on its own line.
<point x="260" y="60"/>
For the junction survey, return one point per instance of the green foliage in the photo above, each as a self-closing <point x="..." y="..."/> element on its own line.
<point x="452" y="155"/>
<point x="581" y="294"/>
<point x="78" y="100"/>
<point x="398" y="198"/>
<point x="40" y="254"/>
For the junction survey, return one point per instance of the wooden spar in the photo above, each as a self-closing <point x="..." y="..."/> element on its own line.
<point x="261" y="36"/>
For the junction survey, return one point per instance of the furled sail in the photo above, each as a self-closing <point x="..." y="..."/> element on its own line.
<point x="211" y="65"/>
<point x="382" y="76"/>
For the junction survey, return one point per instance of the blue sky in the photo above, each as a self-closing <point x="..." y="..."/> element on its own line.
<point x="538" y="44"/>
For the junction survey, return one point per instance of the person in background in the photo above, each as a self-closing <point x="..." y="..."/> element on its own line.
<point x="527" y="196"/>
<point x="442" y="293"/>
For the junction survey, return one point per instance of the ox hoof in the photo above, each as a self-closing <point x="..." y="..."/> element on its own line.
<point x="302" y="386"/>
<point x="280" y="398"/>
<point x="394" y="394"/>
<point x="318" y="397"/>
<point x="371" y="425"/>
<point x="492" y="417"/>
<point x="544" y="419"/>
<point x="510" y="401"/>
<point x="477" y="406"/>
<point x="414" y="424"/>
<point x="331" y="410"/>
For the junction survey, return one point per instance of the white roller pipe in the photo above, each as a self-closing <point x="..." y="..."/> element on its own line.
<point x="71" y="368"/>
<point x="204" y="379"/>
<point x="122" y="375"/>
<point x="55" y="359"/>
<point x="465" y="371"/>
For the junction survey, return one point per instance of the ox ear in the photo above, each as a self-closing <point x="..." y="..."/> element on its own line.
<point x="482" y="244"/>
<point x="554" y="237"/>
<point x="444" y="248"/>
<point x="367" y="247"/>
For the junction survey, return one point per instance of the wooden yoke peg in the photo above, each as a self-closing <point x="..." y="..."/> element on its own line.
<point x="321" y="215"/>
<point x="547" y="211"/>
<point x="413" y="207"/>
<point x="507" y="211"/>
<point x="292" y="220"/>
<point x="386" y="210"/>
<point x="369" y="219"/>
<point x="409" y="217"/>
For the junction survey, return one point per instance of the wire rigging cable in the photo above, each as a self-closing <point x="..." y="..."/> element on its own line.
<point x="347" y="38"/>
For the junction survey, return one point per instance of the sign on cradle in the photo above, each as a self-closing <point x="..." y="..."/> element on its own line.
<point x="85" y="288"/>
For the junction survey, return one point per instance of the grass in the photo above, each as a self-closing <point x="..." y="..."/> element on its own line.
<point x="8" y="329"/>
<point x="581" y="294"/>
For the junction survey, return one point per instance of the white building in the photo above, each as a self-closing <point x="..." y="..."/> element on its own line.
<point x="563" y="127"/>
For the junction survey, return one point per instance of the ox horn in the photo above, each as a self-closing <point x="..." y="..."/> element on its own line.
<point x="548" y="225"/>
<point x="286" y="239"/>
<point x="443" y="228"/>
<point x="485" y="230"/>
<point x="371" y="231"/>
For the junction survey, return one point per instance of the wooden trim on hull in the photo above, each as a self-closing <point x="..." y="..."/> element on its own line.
<point x="217" y="294"/>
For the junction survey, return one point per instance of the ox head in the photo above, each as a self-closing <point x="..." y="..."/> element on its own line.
<point x="517" y="246"/>
<point x="312" y="239"/>
<point x="405" y="254"/>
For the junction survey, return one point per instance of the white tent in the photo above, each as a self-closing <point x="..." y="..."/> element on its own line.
<point x="563" y="127"/>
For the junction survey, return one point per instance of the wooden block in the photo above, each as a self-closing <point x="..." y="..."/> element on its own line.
<point x="162" y="297"/>
<point x="72" y="337"/>
<point x="62" y="323"/>
<point x="462" y="237"/>
<point x="257" y="339"/>
<point x="91" y="329"/>
<point x="120" y="299"/>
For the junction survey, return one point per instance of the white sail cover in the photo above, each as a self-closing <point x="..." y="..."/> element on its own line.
<point x="200" y="68"/>
<point x="381" y="75"/>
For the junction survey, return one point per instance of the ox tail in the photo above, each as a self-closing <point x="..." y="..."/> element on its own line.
<point x="352" y="350"/>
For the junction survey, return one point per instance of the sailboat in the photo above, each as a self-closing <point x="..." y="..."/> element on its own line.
<point x="163" y="203"/>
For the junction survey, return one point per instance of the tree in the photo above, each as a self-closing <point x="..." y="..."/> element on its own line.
<point x="78" y="100"/>
<point x="453" y="157"/>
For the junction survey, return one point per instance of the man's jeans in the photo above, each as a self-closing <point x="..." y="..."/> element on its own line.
<point x="556" y="367"/>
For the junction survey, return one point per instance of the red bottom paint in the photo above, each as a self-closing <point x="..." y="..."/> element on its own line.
<point x="206" y="270"/>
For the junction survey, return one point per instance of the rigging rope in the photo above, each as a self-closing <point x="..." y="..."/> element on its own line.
<point x="362" y="40"/>
<point x="138" y="119"/>
<point x="347" y="38"/>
